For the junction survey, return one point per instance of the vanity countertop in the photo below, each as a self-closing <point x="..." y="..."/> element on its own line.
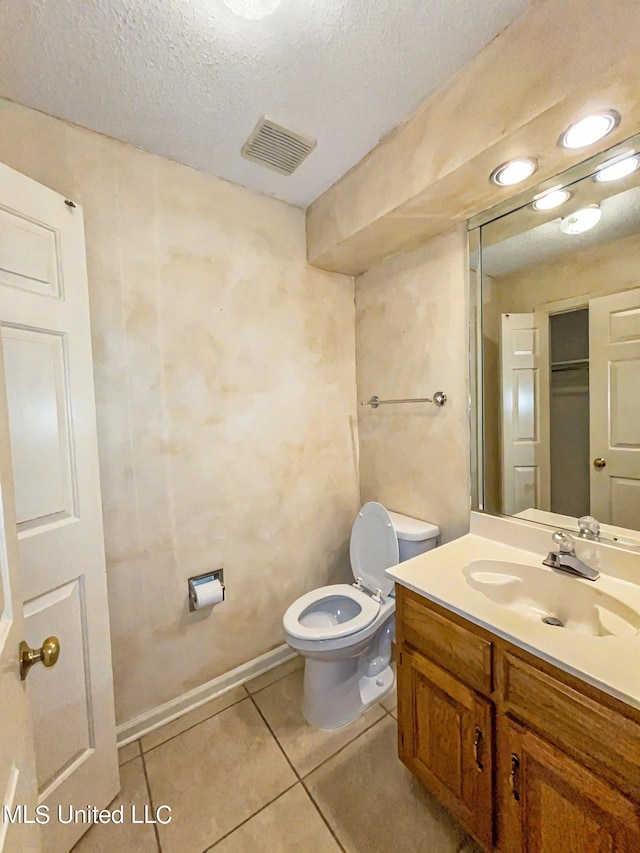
<point x="610" y="663"/>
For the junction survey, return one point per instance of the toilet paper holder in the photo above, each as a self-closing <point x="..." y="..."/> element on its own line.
<point x="217" y="575"/>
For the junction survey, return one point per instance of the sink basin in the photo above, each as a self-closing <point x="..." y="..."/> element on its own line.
<point x="557" y="600"/>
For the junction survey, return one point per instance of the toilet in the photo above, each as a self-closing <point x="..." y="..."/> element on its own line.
<point x="345" y="632"/>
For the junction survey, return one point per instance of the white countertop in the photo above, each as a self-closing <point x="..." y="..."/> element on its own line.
<point x="611" y="663"/>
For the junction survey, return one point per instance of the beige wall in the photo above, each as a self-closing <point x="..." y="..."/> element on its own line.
<point x="596" y="271"/>
<point x="412" y="340"/>
<point x="225" y="386"/>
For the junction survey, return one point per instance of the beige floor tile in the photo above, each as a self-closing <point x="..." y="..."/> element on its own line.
<point x="267" y="678"/>
<point x="192" y="718"/>
<point x="289" y="825"/>
<point x="373" y="803"/>
<point x="390" y="702"/>
<point x="305" y="746"/>
<point x="214" y="776"/>
<point x="126" y="837"/>
<point x="126" y="753"/>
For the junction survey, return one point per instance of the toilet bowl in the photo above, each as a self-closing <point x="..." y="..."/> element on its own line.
<point x="345" y="632"/>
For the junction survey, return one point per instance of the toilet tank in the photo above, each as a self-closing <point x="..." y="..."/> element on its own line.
<point x="414" y="536"/>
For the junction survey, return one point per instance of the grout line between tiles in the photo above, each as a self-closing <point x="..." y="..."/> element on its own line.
<point x="146" y="779"/>
<point x="281" y="748"/>
<point x="344" y="746"/>
<point x="251" y="816"/>
<point x="278" y="744"/>
<point x="215" y="714"/>
<point x="324" y="818"/>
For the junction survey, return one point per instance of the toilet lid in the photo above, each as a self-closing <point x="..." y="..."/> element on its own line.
<point x="374" y="547"/>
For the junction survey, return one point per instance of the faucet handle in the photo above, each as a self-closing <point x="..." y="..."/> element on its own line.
<point x="589" y="526"/>
<point x="564" y="541"/>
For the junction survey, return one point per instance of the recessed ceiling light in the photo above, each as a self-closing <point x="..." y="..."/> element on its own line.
<point x="616" y="171"/>
<point x="253" y="9"/>
<point x="581" y="220"/>
<point x="514" y="172"/>
<point x="589" y="129"/>
<point x="552" y="199"/>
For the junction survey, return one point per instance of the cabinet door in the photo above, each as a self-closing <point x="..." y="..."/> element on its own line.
<point x="548" y="803"/>
<point x="445" y="739"/>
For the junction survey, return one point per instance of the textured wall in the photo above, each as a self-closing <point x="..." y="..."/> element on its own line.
<point x="225" y="382"/>
<point x="412" y="340"/>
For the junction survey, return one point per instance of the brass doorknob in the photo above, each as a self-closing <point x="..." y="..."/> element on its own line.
<point x="47" y="654"/>
<point x="599" y="462"/>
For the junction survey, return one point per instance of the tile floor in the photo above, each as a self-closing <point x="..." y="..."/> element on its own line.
<point x="246" y="773"/>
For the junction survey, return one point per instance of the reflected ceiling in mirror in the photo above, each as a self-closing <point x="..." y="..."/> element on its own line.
<point x="557" y="371"/>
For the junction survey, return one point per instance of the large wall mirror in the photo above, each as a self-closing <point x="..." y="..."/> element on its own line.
<point x="557" y="328"/>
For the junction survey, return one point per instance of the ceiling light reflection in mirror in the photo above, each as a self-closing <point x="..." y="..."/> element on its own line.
<point x="551" y="200"/>
<point x="617" y="171"/>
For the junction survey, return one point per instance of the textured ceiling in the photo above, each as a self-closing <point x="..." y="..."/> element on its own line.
<point x="547" y="243"/>
<point x="188" y="79"/>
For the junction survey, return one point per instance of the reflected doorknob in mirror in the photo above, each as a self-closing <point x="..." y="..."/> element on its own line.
<point x="599" y="462"/>
<point x="47" y="654"/>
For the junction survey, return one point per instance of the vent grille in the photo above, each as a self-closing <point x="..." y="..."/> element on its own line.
<point x="276" y="147"/>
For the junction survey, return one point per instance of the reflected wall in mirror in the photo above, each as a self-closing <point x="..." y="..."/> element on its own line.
<point x="559" y="292"/>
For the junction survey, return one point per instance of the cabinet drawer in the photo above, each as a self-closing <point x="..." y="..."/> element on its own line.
<point x="605" y="739"/>
<point x="453" y="647"/>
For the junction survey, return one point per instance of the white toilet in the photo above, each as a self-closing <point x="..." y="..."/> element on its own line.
<point x="345" y="632"/>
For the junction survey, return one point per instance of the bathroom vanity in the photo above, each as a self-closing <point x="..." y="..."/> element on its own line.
<point x="527" y="731"/>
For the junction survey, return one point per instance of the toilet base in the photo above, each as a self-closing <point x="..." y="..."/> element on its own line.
<point x="336" y="691"/>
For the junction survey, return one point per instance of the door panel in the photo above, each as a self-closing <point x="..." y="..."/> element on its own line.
<point x="62" y="607"/>
<point x="28" y="255"/>
<point x="47" y="345"/>
<point x="35" y="373"/>
<point x="548" y="803"/>
<point x="447" y="741"/>
<point x="523" y="476"/>
<point x="614" y="331"/>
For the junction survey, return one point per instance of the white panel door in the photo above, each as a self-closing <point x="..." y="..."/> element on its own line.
<point x="44" y="319"/>
<point x="614" y="340"/>
<point x="520" y="377"/>
<point x="17" y="761"/>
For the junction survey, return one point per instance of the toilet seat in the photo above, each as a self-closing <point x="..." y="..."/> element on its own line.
<point x="374" y="548"/>
<point x="312" y="602"/>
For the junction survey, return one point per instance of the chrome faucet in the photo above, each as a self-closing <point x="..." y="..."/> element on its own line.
<point x="589" y="528"/>
<point x="566" y="560"/>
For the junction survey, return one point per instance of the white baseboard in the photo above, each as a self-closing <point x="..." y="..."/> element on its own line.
<point x="156" y="717"/>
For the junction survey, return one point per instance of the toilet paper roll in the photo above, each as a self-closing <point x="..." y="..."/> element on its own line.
<point x="207" y="593"/>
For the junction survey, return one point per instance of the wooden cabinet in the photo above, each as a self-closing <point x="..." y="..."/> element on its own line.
<point x="446" y="740"/>
<point x="549" y="803"/>
<point x="527" y="757"/>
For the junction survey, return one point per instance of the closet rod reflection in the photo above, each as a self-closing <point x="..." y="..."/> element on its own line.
<point x="438" y="399"/>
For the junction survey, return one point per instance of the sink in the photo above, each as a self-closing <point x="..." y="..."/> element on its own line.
<point x="559" y="601"/>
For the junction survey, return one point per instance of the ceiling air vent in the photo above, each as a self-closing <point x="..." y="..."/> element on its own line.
<point x="277" y="147"/>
